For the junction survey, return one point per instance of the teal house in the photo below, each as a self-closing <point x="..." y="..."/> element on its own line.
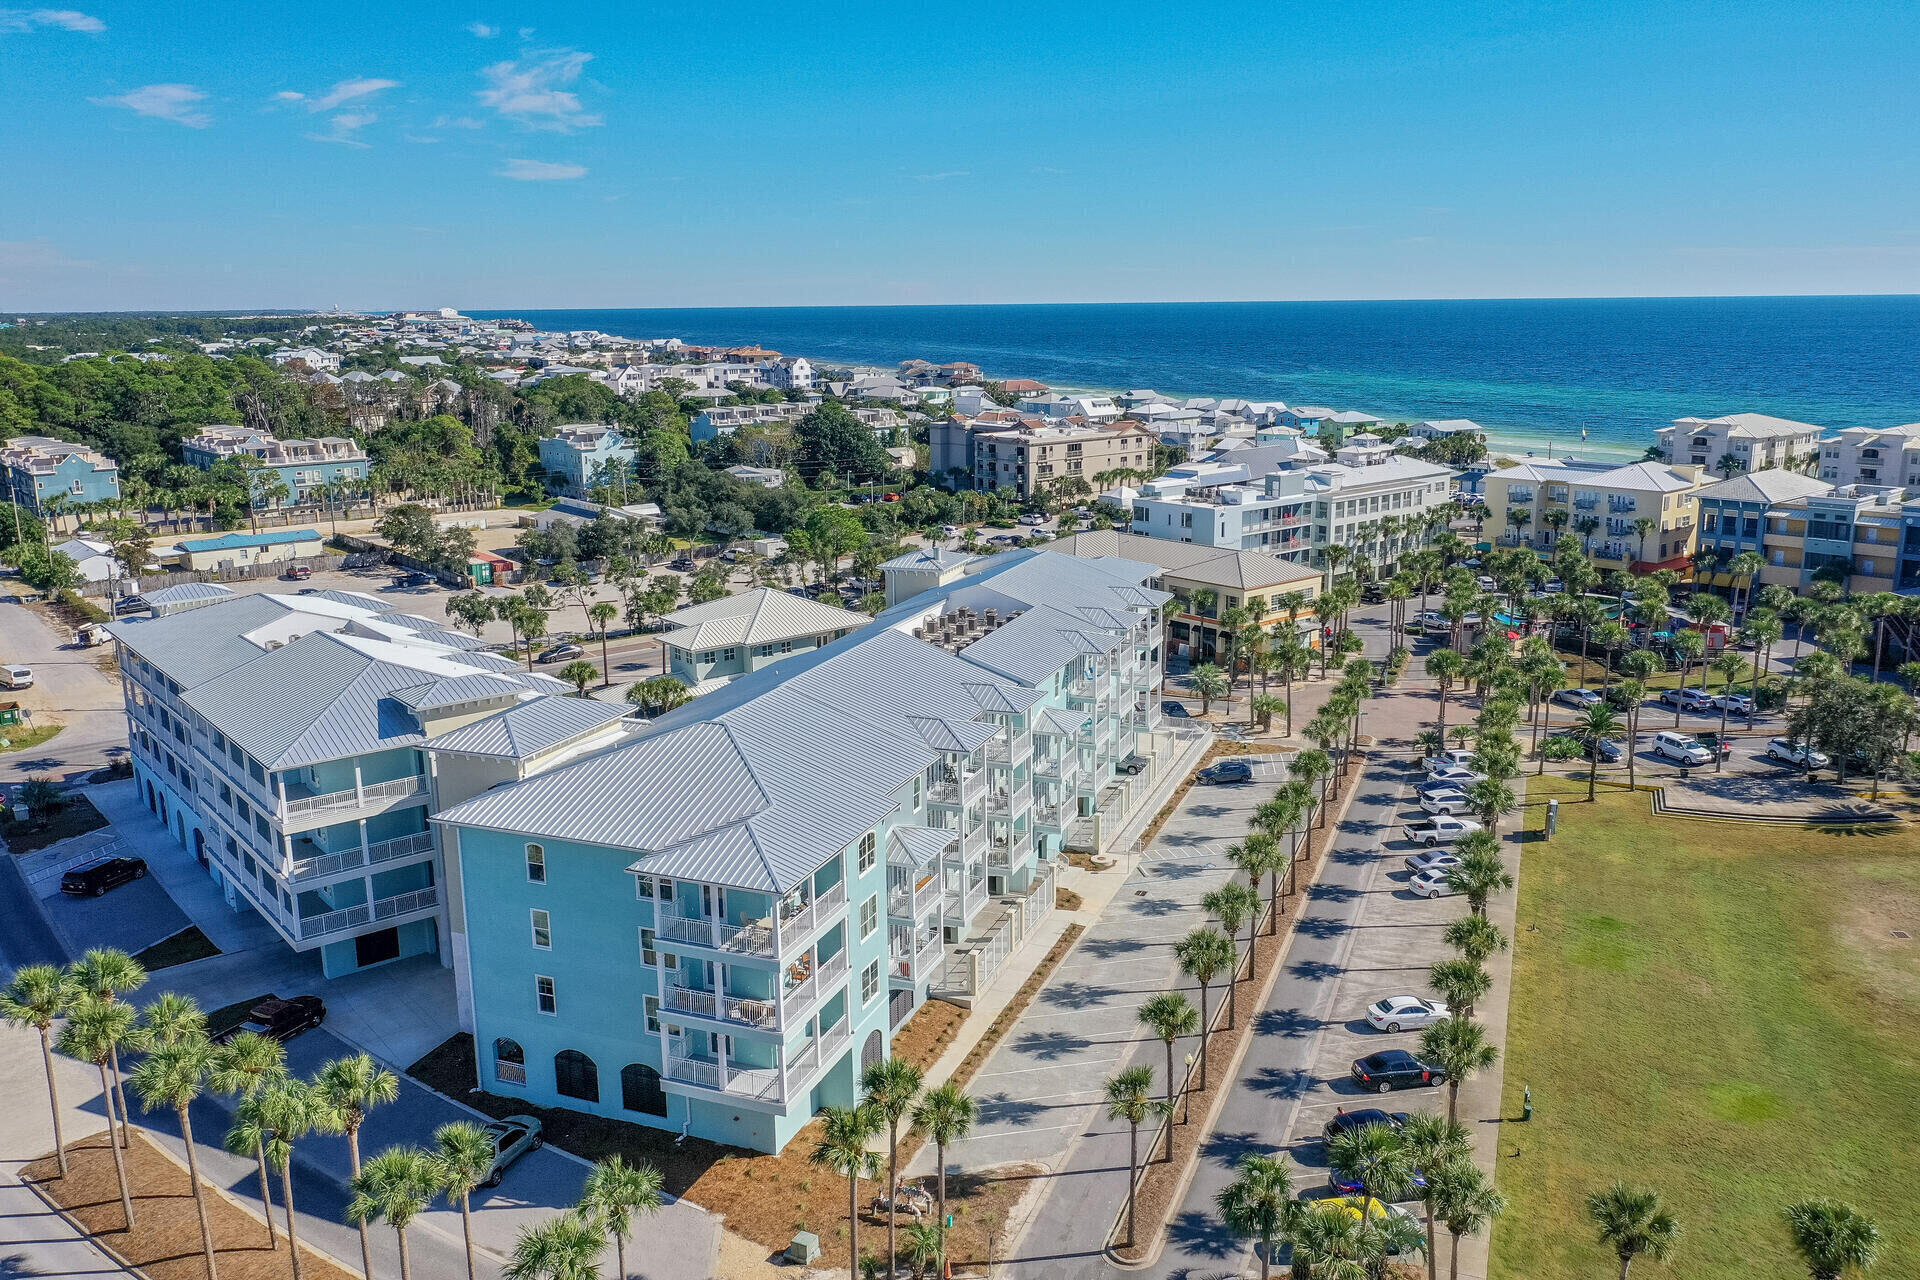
<point x="581" y="456"/>
<point x="42" y="473"/>
<point x="710" y="644"/>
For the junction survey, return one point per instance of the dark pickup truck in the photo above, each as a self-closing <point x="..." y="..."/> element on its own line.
<point x="279" y="1019"/>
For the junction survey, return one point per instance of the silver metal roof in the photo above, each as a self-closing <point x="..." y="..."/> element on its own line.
<point x="918" y="847"/>
<point x="528" y="728"/>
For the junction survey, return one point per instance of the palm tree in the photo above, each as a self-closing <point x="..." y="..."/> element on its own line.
<point x="1460" y="982"/>
<point x="1202" y="954"/>
<point x="169" y="1020"/>
<point x="890" y="1086"/>
<point x="1463" y="1199"/>
<point x="564" y="1247"/>
<point x="38" y="995"/>
<point x="1459" y="1047"/>
<point x="463" y="1154"/>
<point x="106" y="973"/>
<point x="1432" y="1142"/>
<point x="842" y="1148"/>
<point x="1832" y="1238"/>
<point x="1476" y="938"/>
<point x="278" y="1116"/>
<point x="395" y="1186"/>
<point x="1258" y="1202"/>
<point x="1445" y="667"/>
<point x="927" y="1247"/>
<point x="1631" y="1222"/>
<point x="1130" y="1098"/>
<point x="1644" y="526"/>
<point x="1170" y="1015"/>
<point x="1310" y="766"/>
<point x="1209" y="682"/>
<point x="1492" y="800"/>
<point x="351" y="1087"/>
<point x="1480" y="873"/>
<point x="601" y="613"/>
<point x="93" y="1033"/>
<point x="243" y="1067"/>
<point x="1596" y="722"/>
<point x="1233" y="902"/>
<point x="173" y="1076"/>
<point x="614" y="1193"/>
<point x="579" y="673"/>
<point x="1729" y="665"/>
<point x="946" y="1115"/>
<point x="1373" y="1156"/>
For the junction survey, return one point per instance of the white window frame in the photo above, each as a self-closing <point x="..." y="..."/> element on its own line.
<point x="869" y="852"/>
<point x="536" y="863"/>
<point x="643" y="887"/>
<point x="869" y="916"/>
<point x="541" y="923"/>
<point x="870" y="979"/>
<point x="550" y="994"/>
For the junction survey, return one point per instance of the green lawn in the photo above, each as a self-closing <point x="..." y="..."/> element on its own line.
<point x="1719" y="1011"/>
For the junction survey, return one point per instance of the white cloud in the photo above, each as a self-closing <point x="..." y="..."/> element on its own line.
<point x="530" y="91"/>
<point x="289" y="95"/>
<point x="15" y="21"/>
<point x="175" y="102"/>
<point x="349" y="90"/>
<point x="942" y="176"/>
<point x="458" y="122"/>
<point x="541" y="171"/>
<point x="482" y="30"/>
<point x="345" y="125"/>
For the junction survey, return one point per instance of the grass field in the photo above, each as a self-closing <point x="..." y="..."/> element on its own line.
<point x="1719" y="1011"/>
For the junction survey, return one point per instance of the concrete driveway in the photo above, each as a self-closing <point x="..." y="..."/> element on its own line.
<point x="132" y="917"/>
<point x="67" y="687"/>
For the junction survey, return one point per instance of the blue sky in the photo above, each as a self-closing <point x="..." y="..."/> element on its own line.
<point x="200" y="155"/>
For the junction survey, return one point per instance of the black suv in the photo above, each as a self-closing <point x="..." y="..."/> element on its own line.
<point x="1394" y="1069"/>
<point x="1227" y="771"/>
<point x="279" y="1019"/>
<point x="91" y="879"/>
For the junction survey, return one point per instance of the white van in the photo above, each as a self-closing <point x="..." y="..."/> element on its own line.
<point x="16" y="677"/>
<point x="1679" y="748"/>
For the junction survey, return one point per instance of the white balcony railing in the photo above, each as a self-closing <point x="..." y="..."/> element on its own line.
<point x="719" y="1006"/>
<point x="510" y="1073"/>
<point x="365" y="913"/>
<point x="800" y="993"/>
<point x="760" y="1083"/>
<point x="817" y="1052"/>
<point x="721" y="935"/>
<point x="327" y="864"/>
<point x="374" y="793"/>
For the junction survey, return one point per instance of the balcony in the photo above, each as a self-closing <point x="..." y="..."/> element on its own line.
<point x="762" y="1084"/>
<point x="720" y="1006"/>
<point x="800" y="992"/>
<point x="958" y="793"/>
<point x="909" y="899"/>
<point x="369" y="913"/>
<point x="819" y="1051"/>
<point x="911" y="958"/>
<point x="1005" y="753"/>
<point x="328" y="864"/>
<point x="753" y="937"/>
<point x="1054" y="817"/>
<point x="373" y="795"/>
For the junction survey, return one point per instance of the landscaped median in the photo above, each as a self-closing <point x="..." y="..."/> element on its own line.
<point x="1722" y="1012"/>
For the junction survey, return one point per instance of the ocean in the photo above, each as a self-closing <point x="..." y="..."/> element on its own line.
<point x="1535" y="373"/>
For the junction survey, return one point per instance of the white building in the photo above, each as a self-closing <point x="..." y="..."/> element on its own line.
<point x="791" y="373"/>
<point x="1753" y="440"/>
<point x="313" y="357"/>
<point x="1092" y="408"/>
<point x="1872" y="456"/>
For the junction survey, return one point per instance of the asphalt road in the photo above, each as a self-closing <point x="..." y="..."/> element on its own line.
<point x="68" y="684"/>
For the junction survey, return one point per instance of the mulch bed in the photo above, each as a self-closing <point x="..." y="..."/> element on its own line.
<point x="165" y="1241"/>
<point x="926" y="1035"/>
<point x="75" y="817"/>
<point x="1066" y="899"/>
<point x="1163" y="1184"/>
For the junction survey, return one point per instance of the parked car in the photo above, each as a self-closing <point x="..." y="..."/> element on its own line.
<point x="280" y="1020"/>
<point x="130" y="604"/>
<point x="1712" y="741"/>
<point x="1457" y="776"/>
<point x="1686" y="699"/>
<point x="949" y="530"/>
<point x="299" y="573"/>
<point x="1458" y="757"/>
<point x="91" y="879"/>
<point x="1438" y="830"/>
<point x="1392" y="1069"/>
<point x="561" y="653"/>
<point x="512" y="1138"/>
<point x="1579" y="699"/>
<point x="1738" y="704"/>
<point x="416" y="580"/>
<point x="1679" y="748"/>
<point x="1434" y="859"/>
<point x="1174" y="710"/>
<point x="1788" y="751"/>
<point x="1356" y="1203"/>
<point x="1360" y="1118"/>
<point x="1373" y="593"/>
<point x="1409" y="1013"/>
<point x="1033" y="518"/>
<point x="1432" y="618"/>
<point x="1226" y="771"/>
<point x="1609" y="750"/>
<point x="1431" y="883"/>
<point x="1437" y="786"/>
<point x="16" y="677"/>
<point x="1446" y="802"/>
<point x="1134" y="763"/>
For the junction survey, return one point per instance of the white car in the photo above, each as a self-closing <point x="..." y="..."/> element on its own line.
<point x="1687" y="699"/>
<point x="16" y="677"/>
<point x="1681" y="749"/>
<point x="949" y="530"/>
<point x="1431" y="884"/>
<point x="1486" y="584"/>
<point x="1438" y="830"/>
<point x="1786" y="749"/>
<point x="1404" y="1013"/>
<point x="1457" y="757"/>
<point x="1738" y="704"/>
<point x="1430" y="618"/>
<point x="1457" y="776"/>
<point x="1447" y="802"/>
<point x="1579" y="699"/>
<point x="1431" y="860"/>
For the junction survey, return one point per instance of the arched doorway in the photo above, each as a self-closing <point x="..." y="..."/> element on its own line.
<point x="575" y="1076"/>
<point x="873" y="1050"/>
<point x="509" y="1062"/>
<point x="640" y="1089"/>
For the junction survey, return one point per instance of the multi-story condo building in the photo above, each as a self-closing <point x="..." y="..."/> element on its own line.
<point x="1865" y="538"/>
<point x="710" y="644"/>
<point x="791" y="373"/>
<point x="583" y="454"/>
<point x="1733" y="513"/>
<point x="298" y="466"/>
<point x="41" y="471"/>
<point x="1028" y="455"/>
<point x="725" y="419"/>
<point x="286" y="740"/>
<point x="1602" y="505"/>
<point x="1874" y="456"/>
<point x="1737" y="442"/>
<point x="1049" y="405"/>
<point x="711" y="928"/>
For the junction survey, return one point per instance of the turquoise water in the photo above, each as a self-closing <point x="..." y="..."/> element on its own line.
<point x="1534" y="372"/>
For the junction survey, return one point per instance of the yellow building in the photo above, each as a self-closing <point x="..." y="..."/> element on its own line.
<point x="1533" y="502"/>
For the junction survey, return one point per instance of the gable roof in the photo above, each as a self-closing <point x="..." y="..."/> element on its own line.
<point x="765" y="615"/>
<point x="529" y="728"/>
<point x="1769" y="486"/>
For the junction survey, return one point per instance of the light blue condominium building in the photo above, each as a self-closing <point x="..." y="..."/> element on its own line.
<point x="38" y="470"/>
<point x="712" y="643"/>
<point x="713" y="927"/>
<point x="300" y="466"/>
<point x="582" y="455"/>
<point x="285" y="740"/>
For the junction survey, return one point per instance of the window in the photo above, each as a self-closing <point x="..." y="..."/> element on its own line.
<point x="536" y="864"/>
<point x="575" y="1076"/>
<point x="648" y="955"/>
<point x="543" y="994"/>
<point x="651" y="1004"/>
<point x="868" y="843"/>
<point x="870" y="982"/>
<point x="869" y="916"/>
<point x="640" y="1089"/>
<point x="542" y="930"/>
<point x="643" y="886"/>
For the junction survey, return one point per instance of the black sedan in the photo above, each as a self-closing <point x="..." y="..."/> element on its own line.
<point x="1174" y="710"/>
<point x="561" y="653"/>
<point x="1361" y="1118"/>
<point x="1392" y="1069"/>
<point x="1227" y="771"/>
